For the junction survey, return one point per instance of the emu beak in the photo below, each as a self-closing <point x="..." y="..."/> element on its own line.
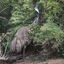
<point x="36" y="9"/>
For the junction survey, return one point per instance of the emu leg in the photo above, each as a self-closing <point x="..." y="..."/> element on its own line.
<point x="1" y="50"/>
<point x="24" y="53"/>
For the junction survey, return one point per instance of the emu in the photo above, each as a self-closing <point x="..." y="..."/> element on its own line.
<point x="22" y="39"/>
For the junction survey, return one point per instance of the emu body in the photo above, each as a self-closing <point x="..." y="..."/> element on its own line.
<point x="21" y="39"/>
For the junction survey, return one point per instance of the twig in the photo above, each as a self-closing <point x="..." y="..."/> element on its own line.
<point x="3" y="18"/>
<point x="3" y="37"/>
<point x="3" y="10"/>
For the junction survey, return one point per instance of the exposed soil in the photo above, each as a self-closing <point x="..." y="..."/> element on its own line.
<point x="52" y="61"/>
<point x="36" y="59"/>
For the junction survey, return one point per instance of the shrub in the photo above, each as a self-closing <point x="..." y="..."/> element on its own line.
<point x="50" y="36"/>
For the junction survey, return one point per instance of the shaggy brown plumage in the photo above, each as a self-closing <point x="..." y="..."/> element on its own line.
<point x="20" y="40"/>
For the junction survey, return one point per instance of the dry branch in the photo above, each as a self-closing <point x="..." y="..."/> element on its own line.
<point x="10" y="58"/>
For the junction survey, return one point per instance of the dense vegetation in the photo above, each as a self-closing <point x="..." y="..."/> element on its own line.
<point x="15" y="14"/>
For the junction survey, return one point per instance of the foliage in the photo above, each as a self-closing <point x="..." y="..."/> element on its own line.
<point x="47" y="32"/>
<point x="5" y="13"/>
<point x="21" y="13"/>
<point x="53" y="16"/>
